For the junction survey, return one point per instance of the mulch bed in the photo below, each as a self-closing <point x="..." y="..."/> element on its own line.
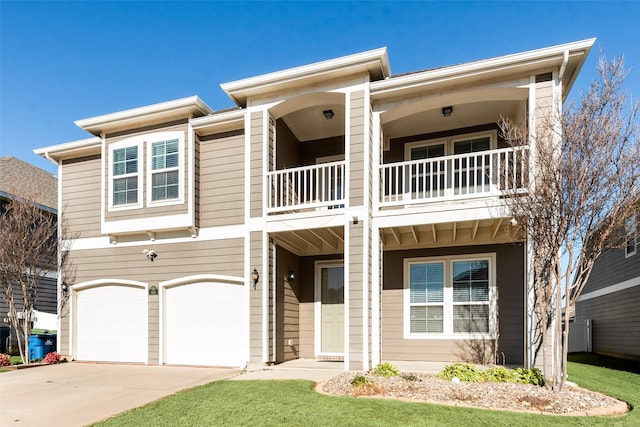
<point x="501" y="396"/>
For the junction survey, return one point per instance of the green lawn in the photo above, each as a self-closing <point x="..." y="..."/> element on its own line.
<point x="255" y="403"/>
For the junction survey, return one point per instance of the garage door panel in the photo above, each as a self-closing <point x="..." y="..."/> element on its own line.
<point x="111" y="324"/>
<point x="204" y="324"/>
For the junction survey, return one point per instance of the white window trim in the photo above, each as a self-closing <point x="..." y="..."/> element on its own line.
<point x="131" y="142"/>
<point x="631" y="232"/>
<point x="159" y="137"/>
<point x="450" y="141"/>
<point x="448" y="298"/>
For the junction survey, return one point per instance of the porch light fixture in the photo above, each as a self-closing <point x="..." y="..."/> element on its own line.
<point x="255" y="277"/>
<point x="291" y="276"/>
<point x="447" y="111"/>
<point x="328" y="114"/>
<point x="65" y="288"/>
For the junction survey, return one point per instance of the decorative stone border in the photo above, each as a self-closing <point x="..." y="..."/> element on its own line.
<point x="620" y="408"/>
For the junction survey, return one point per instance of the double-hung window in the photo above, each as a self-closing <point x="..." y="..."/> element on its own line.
<point x="124" y="175"/>
<point x="452" y="297"/>
<point x="165" y="170"/>
<point x="631" y="247"/>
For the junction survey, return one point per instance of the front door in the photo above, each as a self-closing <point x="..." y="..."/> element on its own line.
<point x="330" y="309"/>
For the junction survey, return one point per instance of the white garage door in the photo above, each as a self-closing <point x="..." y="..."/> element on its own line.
<point x="111" y="324"/>
<point x="204" y="325"/>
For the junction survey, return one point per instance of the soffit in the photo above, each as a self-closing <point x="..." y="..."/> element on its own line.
<point x="504" y="67"/>
<point x="375" y="63"/>
<point x="145" y="116"/>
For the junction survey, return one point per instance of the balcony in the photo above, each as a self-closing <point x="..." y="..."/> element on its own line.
<point x="306" y="188"/>
<point x="462" y="176"/>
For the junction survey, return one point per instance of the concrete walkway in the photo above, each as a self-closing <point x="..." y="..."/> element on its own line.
<point x="76" y="394"/>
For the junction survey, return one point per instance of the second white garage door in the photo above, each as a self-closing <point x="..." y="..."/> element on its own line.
<point x="204" y="324"/>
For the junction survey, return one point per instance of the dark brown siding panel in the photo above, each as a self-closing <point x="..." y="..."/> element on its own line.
<point x="287" y="306"/>
<point x="511" y="312"/>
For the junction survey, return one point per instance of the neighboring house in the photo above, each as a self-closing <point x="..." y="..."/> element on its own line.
<point x="368" y="207"/>
<point x="18" y="178"/>
<point x="607" y="318"/>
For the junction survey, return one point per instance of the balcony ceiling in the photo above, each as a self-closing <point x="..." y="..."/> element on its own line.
<point x="306" y="242"/>
<point x="477" y="232"/>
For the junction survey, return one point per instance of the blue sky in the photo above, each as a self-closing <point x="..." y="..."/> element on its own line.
<point x="64" y="61"/>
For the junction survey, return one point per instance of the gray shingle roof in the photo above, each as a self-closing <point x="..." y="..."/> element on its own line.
<point x="21" y="178"/>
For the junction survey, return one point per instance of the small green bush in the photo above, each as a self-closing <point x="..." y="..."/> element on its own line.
<point x="469" y="373"/>
<point x="531" y="376"/>
<point x="360" y="381"/>
<point x="462" y="371"/>
<point x="385" y="369"/>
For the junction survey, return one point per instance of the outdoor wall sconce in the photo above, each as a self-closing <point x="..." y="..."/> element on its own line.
<point x="447" y="111"/>
<point x="291" y="276"/>
<point x="355" y="220"/>
<point x="65" y="288"/>
<point x="255" y="277"/>
<point x="328" y="114"/>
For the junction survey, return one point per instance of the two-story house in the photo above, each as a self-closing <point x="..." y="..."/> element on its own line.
<point x="607" y="319"/>
<point x="337" y="212"/>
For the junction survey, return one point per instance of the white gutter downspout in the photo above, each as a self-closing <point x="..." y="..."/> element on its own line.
<point x="51" y="159"/>
<point x="563" y="67"/>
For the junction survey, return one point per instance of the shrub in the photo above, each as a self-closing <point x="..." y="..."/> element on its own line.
<point x="500" y="374"/>
<point x="462" y="371"/>
<point x="531" y="376"/>
<point x="5" y="360"/>
<point x="385" y="369"/>
<point x="51" y="358"/>
<point x="359" y="381"/>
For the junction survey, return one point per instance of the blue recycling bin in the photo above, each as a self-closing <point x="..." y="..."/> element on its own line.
<point x="48" y="343"/>
<point x="36" y="347"/>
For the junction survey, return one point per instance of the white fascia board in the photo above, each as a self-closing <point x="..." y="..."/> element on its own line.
<point x="187" y="105"/>
<point x="538" y="56"/>
<point x="219" y="120"/>
<point x="373" y="59"/>
<point x="54" y="152"/>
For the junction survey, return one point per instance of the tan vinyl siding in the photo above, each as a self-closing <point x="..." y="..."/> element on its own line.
<point x="222" y="184"/>
<point x="174" y="260"/>
<point x="196" y="181"/>
<point x="153" y="331"/>
<point x="63" y="331"/>
<point x="81" y="196"/>
<point x="356" y="243"/>
<point x="255" y="164"/>
<point x="356" y="149"/>
<point x="511" y="296"/>
<point x="255" y="298"/>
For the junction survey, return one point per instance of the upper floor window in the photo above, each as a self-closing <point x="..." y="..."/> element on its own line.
<point x="124" y="174"/>
<point x="161" y="181"/>
<point x="631" y="247"/>
<point x="450" y="297"/>
<point x="165" y="170"/>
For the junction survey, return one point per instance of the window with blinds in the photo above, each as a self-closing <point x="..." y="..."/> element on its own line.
<point x="450" y="296"/>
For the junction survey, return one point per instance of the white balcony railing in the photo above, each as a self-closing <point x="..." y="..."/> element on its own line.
<point x="480" y="174"/>
<point x="314" y="186"/>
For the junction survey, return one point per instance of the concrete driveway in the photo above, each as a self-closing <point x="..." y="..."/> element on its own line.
<point x="76" y="394"/>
